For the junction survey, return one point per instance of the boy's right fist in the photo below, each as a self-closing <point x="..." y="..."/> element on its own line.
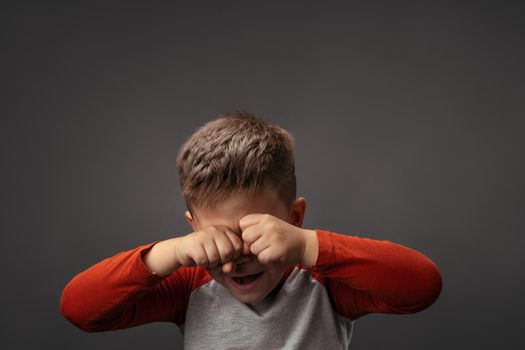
<point x="210" y="247"/>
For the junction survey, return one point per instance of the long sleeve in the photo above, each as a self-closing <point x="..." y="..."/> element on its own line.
<point x="121" y="292"/>
<point x="366" y="275"/>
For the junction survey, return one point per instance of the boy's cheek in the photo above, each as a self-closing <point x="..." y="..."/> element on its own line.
<point x="218" y="276"/>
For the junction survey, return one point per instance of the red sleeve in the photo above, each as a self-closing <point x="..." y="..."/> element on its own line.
<point x="365" y="276"/>
<point x="121" y="292"/>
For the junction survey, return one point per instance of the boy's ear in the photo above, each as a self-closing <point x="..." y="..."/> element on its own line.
<point x="297" y="211"/>
<point x="189" y="218"/>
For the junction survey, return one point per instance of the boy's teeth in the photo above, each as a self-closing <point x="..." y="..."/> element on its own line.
<point x="246" y="279"/>
<point x="241" y="280"/>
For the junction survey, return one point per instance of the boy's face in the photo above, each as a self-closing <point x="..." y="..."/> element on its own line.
<point x="228" y="213"/>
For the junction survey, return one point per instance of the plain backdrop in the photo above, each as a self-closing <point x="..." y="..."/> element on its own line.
<point x="409" y="126"/>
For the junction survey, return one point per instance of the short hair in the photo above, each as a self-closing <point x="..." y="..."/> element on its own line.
<point x="237" y="153"/>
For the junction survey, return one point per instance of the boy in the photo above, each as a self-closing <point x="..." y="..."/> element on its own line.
<point x="249" y="276"/>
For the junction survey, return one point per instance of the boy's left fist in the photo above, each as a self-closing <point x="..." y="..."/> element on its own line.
<point x="273" y="240"/>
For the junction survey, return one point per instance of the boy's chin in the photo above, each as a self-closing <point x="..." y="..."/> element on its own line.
<point x="249" y="299"/>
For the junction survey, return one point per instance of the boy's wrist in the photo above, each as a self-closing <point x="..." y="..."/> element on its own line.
<point x="161" y="259"/>
<point x="311" y="248"/>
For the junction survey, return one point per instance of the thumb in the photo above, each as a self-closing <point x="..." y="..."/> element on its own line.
<point x="228" y="267"/>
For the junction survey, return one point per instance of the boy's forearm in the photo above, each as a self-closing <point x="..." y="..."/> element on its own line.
<point x="120" y="281"/>
<point x="161" y="258"/>
<point x="395" y="278"/>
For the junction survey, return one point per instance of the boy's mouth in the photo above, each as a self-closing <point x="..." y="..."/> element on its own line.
<point x="247" y="281"/>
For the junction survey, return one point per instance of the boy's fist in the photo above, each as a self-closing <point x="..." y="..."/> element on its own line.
<point x="273" y="240"/>
<point x="209" y="248"/>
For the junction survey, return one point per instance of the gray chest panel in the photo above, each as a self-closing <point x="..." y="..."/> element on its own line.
<point x="299" y="316"/>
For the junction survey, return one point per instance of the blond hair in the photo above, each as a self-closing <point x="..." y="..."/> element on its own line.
<point x="236" y="153"/>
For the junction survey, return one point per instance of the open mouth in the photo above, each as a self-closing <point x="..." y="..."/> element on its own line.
<point x="246" y="280"/>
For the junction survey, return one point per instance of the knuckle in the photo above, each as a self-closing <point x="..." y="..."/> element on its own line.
<point x="235" y="241"/>
<point x="226" y="255"/>
<point x="237" y="251"/>
<point x="214" y="258"/>
<point x="263" y="259"/>
<point x="237" y="245"/>
<point x="201" y="260"/>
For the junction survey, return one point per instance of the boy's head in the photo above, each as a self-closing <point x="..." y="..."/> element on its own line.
<point x="236" y="165"/>
<point x="236" y="153"/>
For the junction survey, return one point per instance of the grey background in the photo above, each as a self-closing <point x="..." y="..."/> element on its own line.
<point x="408" y="119"/>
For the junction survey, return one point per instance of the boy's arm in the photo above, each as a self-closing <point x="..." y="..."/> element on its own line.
<point x="366" y="276"/>
<point x="121" y="292"/>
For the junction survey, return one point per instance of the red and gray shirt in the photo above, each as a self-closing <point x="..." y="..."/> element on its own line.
<point x="312" y="307"/>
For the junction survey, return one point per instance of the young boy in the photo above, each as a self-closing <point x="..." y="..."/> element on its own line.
<point x="249" y="276"/>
